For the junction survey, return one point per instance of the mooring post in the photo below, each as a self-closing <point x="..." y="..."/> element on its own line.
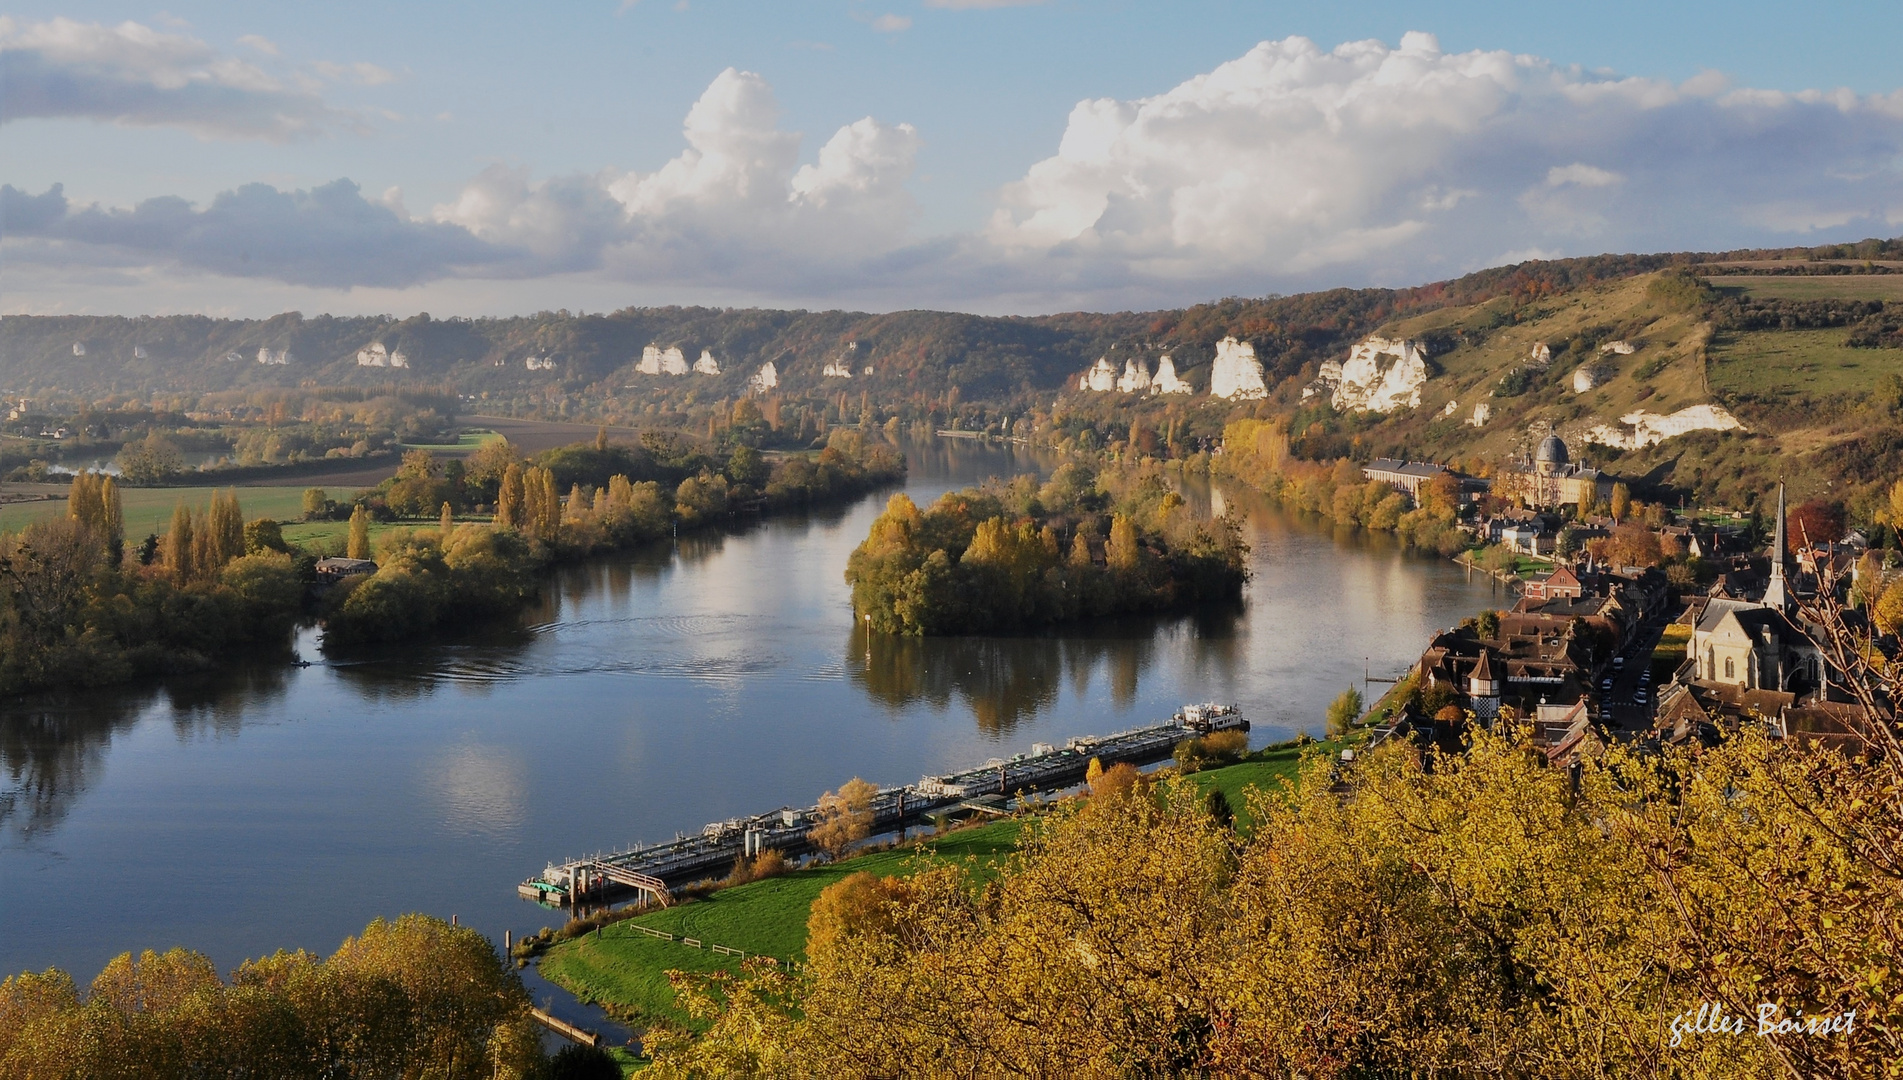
<point x="508" y="941"/>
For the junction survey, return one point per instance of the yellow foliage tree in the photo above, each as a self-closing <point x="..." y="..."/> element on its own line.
<point x="845" y="816"/>
<point x="358" y="546"/>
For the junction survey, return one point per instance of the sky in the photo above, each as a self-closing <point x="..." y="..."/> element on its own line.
<point x="995" y="156"/>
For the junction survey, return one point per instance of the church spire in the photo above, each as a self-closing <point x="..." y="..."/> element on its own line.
<point x="1774" y="595"/>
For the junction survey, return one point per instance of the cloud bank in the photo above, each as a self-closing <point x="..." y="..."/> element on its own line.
<point x="1292" y="166"/>
<point x="133" y="74"/>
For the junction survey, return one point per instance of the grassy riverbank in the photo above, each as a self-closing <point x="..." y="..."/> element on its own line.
<point x="626" y="969"/>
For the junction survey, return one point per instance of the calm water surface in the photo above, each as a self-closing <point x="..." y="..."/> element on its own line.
<point x="646" y="695"/>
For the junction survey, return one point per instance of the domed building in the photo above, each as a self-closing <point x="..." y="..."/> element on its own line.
<point x="1551" y="458"/>
<point x="1551" y="478"/>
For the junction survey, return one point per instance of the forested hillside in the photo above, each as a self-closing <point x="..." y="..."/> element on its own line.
<point x="909" y="351"/>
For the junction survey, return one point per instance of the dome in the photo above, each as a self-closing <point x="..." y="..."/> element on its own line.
<point x="1551" y="452"/>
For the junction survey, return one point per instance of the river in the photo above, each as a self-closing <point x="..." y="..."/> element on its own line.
<point x="645" y="695"/>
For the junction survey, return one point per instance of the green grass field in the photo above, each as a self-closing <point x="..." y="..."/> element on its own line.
<point x="627" y="970"/>
<point x="150" y="509"/>
<point x="467" y="441"/>
<point x="1816" y="287"/>
<point x="1773" y="364"/>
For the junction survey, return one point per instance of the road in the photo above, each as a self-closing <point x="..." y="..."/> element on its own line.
<point x="1627" y="714"/>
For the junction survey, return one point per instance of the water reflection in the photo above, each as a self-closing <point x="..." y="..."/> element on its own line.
<point x="1005" y="682"/>
<point x="52" y="746"/>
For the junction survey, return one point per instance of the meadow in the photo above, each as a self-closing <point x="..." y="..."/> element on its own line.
<point x="1773" y="364"/>
<point x="148" y="510"/>
<point x="1815" y="286"/>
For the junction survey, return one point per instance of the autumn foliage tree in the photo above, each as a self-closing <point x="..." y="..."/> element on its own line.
<point x="845" y="816"/>
<point x="411" y="998"/>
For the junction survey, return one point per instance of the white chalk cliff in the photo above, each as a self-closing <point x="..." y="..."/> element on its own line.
<point x="1236" y="374"/>
<point x="1136" y="377"/>
<point x="274" y="357"/>
<point x="539" y="363"/>
<point x="1483" y="412"/>
<point x="764" y="379"/>
<point x="1621" y="348"/>
<point x="79" y="348"/>
<point x="1100" y="376"/>
<point x="377" y="355"/>
<point x="1540" y="356"/>
<point x="707" y="365"/>
<point x="1166" y="381"/>
<point x="1380" y="375"/>
<point x="658" y="361"/>
<point x="837" y="369"/>
<point x="1641" y="429"/>
<point x="1589" y="377"/>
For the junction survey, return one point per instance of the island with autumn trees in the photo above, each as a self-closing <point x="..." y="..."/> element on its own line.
<point x="1013" y="555"/>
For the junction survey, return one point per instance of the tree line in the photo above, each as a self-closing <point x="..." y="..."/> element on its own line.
<point x="1012" y="555"/>
<point x="78" y="609"/>
<point x="412" y="998"/>
<point x="432" y="577"/>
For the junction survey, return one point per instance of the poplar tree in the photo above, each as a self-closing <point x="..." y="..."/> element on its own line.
<point x="178" y="545"/>
<point x="359" y="534"/>
<point x="577" y="504"/>
<point x="1121" y="551"/>
<point x="82" y="501"/>
<point x="509" y="498"/>
<point x="113" y="517"/>
<point x="224" y="530"/>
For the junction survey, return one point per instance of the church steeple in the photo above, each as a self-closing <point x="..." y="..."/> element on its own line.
<point x="1774" y="594"/>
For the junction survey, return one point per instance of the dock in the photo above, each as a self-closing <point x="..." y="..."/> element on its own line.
<point x="651" y="871"/>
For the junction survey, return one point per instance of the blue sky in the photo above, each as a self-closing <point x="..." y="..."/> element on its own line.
<point x="509" y="157"/>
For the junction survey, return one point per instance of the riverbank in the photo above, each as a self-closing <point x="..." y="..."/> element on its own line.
<point x="624" y="966"/>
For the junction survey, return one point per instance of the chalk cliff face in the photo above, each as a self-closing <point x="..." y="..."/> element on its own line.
<point x="274" y="357"/>
<point x="1136" y="377"/>
<point x="1100" y="376"/>
<point x="764" y="379"/>
<point x="1641" y="429"/>
<point x="1619" y="348"/>
<point x="1588" y="377"/>
<point x="79" y="348"/>
<point x="1483" y="412"/>
<point x="1380" y="375"/>
<point x="539" y="363"/>
<point x="1236" y="374"/>
<point x="837" y="369"/>
<point x="376" y="354"/>
<point x="658" y="361"/>
<point x="707" y="365"/>
<point x="1166" y="380"/>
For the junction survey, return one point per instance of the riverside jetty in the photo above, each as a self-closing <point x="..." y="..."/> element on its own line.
<point x="653" y="870"/>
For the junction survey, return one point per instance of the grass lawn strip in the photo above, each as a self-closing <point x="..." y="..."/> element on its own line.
<point x="627" y="969"/>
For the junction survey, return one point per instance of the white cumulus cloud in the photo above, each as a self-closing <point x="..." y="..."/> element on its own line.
<point x="1376" y="162"/>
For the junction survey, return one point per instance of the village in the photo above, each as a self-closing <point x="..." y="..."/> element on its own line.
<point x="1602" y="645"/>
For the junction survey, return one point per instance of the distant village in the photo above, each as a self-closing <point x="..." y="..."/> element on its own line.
<point x="1594" y="651"/>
